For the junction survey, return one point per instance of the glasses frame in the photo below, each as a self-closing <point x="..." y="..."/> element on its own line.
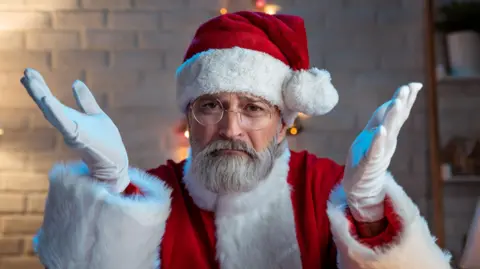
<point x="239" y="114"/>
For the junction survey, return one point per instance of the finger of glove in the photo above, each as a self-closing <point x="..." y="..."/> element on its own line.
<point x="85" y="99"/>
<point x="377" y="147"/>
<point x="378" y="116"/>
<point x="36" y="89"/>
<point x="415" y="87"/>
<point x="402" y="92"/>
<point x="394" y="120"/>
<point x="55" y="114"/>
<point x="32" y="73"/>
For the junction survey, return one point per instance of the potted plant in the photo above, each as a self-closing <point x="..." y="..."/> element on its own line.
<point x="460" y="22"/>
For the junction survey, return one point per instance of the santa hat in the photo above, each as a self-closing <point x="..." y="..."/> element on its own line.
<point x="260" y="54"/>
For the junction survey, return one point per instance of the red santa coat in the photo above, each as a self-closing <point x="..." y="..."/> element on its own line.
<point x="190" y="236"/>
<point x="295" y="219"/>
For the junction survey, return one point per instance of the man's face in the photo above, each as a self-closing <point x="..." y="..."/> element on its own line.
<point x="235" y="139"/>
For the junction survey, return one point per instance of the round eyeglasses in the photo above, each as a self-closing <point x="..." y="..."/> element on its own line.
<point x="255" y="115"/>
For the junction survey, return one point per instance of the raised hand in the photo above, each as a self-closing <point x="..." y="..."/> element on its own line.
<point x="89" y="131"/>
<point x="371" y="153"/>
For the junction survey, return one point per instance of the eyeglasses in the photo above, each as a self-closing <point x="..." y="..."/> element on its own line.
<point x="255" y="115"/>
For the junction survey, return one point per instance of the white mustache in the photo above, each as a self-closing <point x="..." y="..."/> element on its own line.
<point x="218" y="145"/>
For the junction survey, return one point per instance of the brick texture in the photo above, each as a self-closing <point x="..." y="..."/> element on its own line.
<point x="79" y="19"/>
<point x="127" y="52"/>
<point x="107" y="39"/>
<point x="24" y="20"/>
<point x="61" y="40"/>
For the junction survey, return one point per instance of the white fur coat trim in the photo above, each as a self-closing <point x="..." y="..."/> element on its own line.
<point x="88" y="227"/>
<point x="414" y="248"/>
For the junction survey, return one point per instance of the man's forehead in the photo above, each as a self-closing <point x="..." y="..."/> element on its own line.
<point x="228" y="96"/>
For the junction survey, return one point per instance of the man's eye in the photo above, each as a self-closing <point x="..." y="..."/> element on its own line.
<point x="210" y="105"/>
<point x="253" y="108"/>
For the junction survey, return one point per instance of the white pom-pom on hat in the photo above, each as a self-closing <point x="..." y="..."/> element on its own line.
<point x="310" y="92"/>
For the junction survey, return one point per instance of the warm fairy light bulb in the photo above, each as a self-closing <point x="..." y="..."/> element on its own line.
<point x="223" y="11"/>
<point x="271" y="9"/>
<point x="260" y="3"/>
<point x="293" y="131"/>
<point x="186" y="134"/>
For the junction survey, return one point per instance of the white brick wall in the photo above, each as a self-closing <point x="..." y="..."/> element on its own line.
<point x="127" y="52"/>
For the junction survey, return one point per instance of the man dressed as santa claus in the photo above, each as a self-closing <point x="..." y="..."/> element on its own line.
<point x="242" y="199"/>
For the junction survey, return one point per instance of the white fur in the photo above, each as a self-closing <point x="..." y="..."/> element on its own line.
<point x="255" y="229"/>
<point x="88" y="227"/>
<point x="414" y="248"/>
<point x="311" y="92"/>
<point x="248" y="71"/>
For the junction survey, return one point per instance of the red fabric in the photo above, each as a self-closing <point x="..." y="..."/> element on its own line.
<point x="189" y="240"/>
<point x="281" y="36"/>
<point x="132" y="190"/>
<point x="388" y="235"/>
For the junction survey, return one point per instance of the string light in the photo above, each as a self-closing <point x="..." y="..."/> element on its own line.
<point x="293" y="131"/>
<point x="223" y="11"/>
<point x="186" y="134"/>
<point x="271" y="9"/>
<point x="263" y="6"/>
<point x="296" y="128"/>
<point x="260" y="4"/>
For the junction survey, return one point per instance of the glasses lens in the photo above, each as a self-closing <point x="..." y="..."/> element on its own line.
<point x="255" y="116"/>
<point x="207" y="110"/>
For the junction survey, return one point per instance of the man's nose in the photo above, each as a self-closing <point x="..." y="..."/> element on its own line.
<point x="230" y="125"/>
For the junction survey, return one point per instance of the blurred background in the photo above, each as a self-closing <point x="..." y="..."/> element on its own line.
<point x="127" y="52"/>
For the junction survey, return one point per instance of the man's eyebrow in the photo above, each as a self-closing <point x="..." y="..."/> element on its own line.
<point x="251" y="99"/>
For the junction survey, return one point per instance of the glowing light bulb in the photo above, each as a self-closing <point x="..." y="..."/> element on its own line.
<point x="271" y="9"/>
<point x="186" y="134"/>
<point x="223" y="11"/>
<point x="293" y="131"/>
<point x="260" y="3"/>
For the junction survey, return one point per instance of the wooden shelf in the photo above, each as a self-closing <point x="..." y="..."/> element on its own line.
<point x="467" y="179"/>
<point x="451" y="79"/>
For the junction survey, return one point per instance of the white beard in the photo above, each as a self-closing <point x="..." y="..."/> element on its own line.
<point x="223" y="174"/>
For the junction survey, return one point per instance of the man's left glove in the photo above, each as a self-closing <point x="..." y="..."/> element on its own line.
<point x="371" y="153"/>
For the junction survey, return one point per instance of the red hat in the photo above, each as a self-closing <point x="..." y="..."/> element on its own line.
<point x="260" y="54"/>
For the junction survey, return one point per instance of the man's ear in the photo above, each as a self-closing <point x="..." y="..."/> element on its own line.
<point x="282" y="133"/>
<point x="188" y="115"/>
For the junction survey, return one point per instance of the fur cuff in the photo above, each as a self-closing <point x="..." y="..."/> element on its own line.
<point x="414" y="248"/>
<point x="88" y="227"/>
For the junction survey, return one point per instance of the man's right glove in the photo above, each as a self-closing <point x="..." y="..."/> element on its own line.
<point x="90" y="132"/>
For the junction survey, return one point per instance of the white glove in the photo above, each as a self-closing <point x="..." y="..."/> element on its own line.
<point x="371" y="153"/>
<point x="90" y="132"/>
